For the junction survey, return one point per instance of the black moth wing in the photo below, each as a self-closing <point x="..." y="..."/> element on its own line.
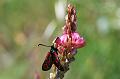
<point x="56" y="61"/>
<point x="47" y="64"/>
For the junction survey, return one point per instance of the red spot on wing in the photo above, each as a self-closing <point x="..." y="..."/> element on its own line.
<point x="47" y="64"/>
<point x="56" y="61"/>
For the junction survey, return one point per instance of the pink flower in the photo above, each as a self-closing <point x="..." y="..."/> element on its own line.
<point x="70" y="40"/>
<point x="77" y="40"/>
<point x="65" y="42"/>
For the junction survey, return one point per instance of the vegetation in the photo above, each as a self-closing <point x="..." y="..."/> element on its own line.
<point x="22" y="28"/>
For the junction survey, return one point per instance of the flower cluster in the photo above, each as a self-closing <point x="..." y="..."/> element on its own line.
<point x="69" y="42"/>
<point x="70" y="39"/>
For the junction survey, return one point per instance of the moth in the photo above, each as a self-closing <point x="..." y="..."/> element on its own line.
<point x="52" y="58"/>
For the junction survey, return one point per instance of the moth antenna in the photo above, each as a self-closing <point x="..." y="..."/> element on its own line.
<point x="43" y="45"/>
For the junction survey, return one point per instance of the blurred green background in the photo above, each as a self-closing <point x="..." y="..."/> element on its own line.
<point x="25" y="23"/>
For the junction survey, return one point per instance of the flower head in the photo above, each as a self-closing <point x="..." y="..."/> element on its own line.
<point x="76" y="40"/>
<point x="70" y="39"/>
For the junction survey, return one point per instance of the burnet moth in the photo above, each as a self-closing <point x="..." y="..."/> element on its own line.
<point x="52" y="58"/>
